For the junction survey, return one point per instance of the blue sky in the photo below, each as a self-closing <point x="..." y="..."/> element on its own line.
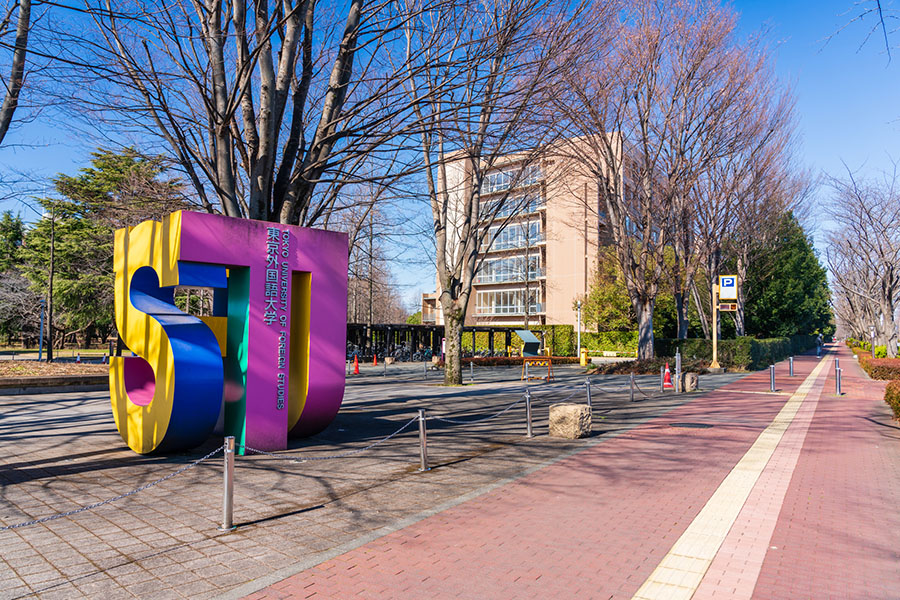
<point x="846" y="94"/>
<point x="847" y="100"/>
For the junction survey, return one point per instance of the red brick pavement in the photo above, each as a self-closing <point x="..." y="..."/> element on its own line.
<point x="838" y="532"/>
<point x="596" y="524"/>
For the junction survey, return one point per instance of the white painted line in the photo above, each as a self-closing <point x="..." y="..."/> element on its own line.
<point x="679" y="573"/>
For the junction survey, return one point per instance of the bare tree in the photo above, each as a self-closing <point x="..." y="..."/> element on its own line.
<point x="268" y="109"/>
<point x="477" y="96"/>
<point x="648" y="121"/>
<point x="15" y="27"/>
<point x="864" y="254"/>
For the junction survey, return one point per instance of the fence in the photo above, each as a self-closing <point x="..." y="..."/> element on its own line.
<point x="228" y="448"/>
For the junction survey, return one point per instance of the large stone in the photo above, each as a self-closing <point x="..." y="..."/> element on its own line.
<point x="691" y="382"/>
<point x="570" y="421"/>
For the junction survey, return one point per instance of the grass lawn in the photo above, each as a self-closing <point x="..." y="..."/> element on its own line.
<point x="32" y="368"/>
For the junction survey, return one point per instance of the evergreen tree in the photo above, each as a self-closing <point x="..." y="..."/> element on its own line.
<point x="12" y="232"/>
<point x="116" y="190"/>
<point x="790" y="294"/>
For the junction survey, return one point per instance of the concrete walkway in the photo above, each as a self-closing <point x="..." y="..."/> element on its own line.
<point x="740" y="493"/>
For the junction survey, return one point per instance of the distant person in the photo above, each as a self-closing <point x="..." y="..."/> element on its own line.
<point x="820" y="341"/>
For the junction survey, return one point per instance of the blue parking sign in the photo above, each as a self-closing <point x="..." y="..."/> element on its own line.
<point x="728" y="287"/>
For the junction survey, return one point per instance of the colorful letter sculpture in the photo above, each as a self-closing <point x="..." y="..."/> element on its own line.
<point x="267" y="364"/>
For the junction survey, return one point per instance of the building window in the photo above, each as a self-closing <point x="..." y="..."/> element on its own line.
<point x="509" y="269"/>
<point x="508" y="302"/>
<point x="513" y="205"/>
<point x="502" y="180"/>
<point x="514" y="235"/>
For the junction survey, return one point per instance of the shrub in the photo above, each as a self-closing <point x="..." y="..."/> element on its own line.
<point x="610" y="341"/>
<point x="892" y="397"/>
<point x="880" y="351"/>
<point x="512" y="361"/>
<point x="881" y="368"/>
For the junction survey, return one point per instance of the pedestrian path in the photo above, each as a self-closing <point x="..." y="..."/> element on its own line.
<point x="733" y="495"/>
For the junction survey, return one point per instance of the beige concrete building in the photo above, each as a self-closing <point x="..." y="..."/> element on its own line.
<point x="543" y="259"/>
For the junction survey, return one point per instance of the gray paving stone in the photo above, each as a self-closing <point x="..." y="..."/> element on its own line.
<point x="63" y="452"/>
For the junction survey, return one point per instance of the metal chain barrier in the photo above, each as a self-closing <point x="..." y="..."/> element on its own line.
<point x="115" y="498"/>
<point x="481" y="420"/>
<point x="645" y="394"/>
<point x="302" y="459"/>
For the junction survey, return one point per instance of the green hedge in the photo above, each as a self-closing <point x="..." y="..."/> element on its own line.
<point x="880" y="368"/>
<point x="743" y="353"/>
<point x="892" y="397"/>
<point x="610" y="341"/>
<point x="559" y="338"/>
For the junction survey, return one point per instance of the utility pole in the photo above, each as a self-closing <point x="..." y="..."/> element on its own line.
<point x="578" y="330"/>
<point x="371" y="277"/>
<point x="50" y="286"/>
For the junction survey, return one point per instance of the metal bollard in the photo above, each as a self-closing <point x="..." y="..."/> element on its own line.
<point x="587" y="384"/>
<point x="529" y="432"/>
<point x="384" y="367"/>
<point x="837" y="364"/>
<point x="662" y="379"/>
<point x="527" y="378"/>
<point x="791" y="365"/>
<point x="837" y="381"/>
<point x="471" y="372"/>
<point x="678" y="372"/>
<point x="425" y="368"/>
<point x="228" y="497"/>
<point x="423" y="442"/>
<point x="631" y="383"/>
<point x="772" y="377"/>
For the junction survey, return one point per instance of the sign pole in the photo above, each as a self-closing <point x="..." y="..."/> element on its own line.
<point x="715" y="327"/>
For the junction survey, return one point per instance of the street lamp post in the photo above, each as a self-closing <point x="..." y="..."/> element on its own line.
<point x="578" y="334"/>
<point x="41" y="334"/>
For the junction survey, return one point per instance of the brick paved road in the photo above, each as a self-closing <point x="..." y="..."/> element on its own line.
<point x="817" y="520"/>
<point x="61" y="451"/>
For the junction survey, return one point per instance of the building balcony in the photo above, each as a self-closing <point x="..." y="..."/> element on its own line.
<point x="508" y="311"/>
<point x="534" y="275"/>
<point x="533" y="241"/>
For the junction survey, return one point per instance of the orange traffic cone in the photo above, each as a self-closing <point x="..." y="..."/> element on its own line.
<point x="355" y="365"/>
<point x="667" y="380"/>
<point x="375" y="360"/>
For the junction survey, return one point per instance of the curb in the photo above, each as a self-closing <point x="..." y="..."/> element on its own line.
<point x="13" y="386"/>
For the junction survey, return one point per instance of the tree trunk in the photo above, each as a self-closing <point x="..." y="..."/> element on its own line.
<point x="50" y="288"/>
<point x="453" y="330"/>
<point x="682" y="303"/>
<point x="704" y="322"/>
<point x="644" y="310"/>
<point x="740" y="322"/>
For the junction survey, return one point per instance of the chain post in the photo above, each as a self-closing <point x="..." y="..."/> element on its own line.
<point x="792" y="366"/>
<point x="423" y="442"/>
<point x="678" y="371"/>
<point x="587" y="384"/>
<point x="631" y="384"/>
<point x="662" y="379"/>
<point x="384" y="366"/>
<point x="837" y="365"/>
<point x="529" y="433"/>
<point x="228" y="495"/>
<point x="772" y="377"/>
<point x="837" y="381"/>
<point x="425" y="368"/>
<point x="527" y="377"/>
<point x="471" y="372"/>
